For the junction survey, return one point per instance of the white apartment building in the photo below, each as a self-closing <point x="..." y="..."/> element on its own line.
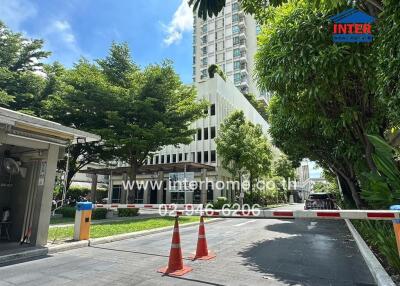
<point x="196" y="161"/>
<point x="230" y="41"/>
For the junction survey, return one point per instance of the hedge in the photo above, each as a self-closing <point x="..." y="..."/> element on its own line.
<point x="70" y="212"/>
<point x="99" y="214"/>
<point x="128" y="212"/>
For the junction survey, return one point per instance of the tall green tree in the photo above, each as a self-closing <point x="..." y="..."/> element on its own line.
<point x="21" y="86"/>
<point x="283" y="167"/>
<point x="155" y="109"/>
<point x="243" y="148"/>
<point x="80" y="97"/>
<point x="320" y="86"/>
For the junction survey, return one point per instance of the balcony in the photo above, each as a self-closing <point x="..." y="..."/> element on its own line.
<point x="242" y="35"/>
<point x="243" y="46"/>
<point x="243" y="57"/>
<point x="244" y="71"/>
<point x="244" y="83"/>
<point x="242" y="23"/>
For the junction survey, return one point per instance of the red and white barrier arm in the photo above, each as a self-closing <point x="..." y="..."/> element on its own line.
<point x="301" y="214"/>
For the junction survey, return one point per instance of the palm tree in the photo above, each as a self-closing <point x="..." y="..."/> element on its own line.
<point x="207" y="7"/>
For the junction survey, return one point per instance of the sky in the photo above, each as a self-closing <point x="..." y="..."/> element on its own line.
<point x="154" y="29"/>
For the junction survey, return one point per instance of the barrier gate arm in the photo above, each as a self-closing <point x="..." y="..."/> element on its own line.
<point x="301" y="214"/>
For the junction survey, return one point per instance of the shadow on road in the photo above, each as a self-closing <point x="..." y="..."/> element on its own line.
<point x="308" y="253"/>
<point x="135" y="252"/>
<point x="195" y="280"/>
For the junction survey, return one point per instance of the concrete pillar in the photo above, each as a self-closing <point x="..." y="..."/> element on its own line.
<point x="168" y="196"/>
<point x="44" y="198"/>
<point x="189" y="197"/>
<point x="203" y="186"/>
<point x="146" y="192"/>
<point x="93" y="189"/>
<point x="160" y="179"/>
<point x="123" y="190"/>
<point x="110" y="188"/>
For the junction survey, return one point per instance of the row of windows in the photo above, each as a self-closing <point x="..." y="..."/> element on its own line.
<point x="202" y="157"/>
<point x="205" y="133"/>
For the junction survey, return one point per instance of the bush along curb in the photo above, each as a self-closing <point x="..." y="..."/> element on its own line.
<point x="380" y="275"/>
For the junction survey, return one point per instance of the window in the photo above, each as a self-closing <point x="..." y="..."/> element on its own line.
<point x="204" y="51"/>
<point x="236" y="40"/>
<point x="204" y="29"/>
<point x="237" y="78"/>
<point x="193" y="159"/>
<point x="205" y="156"/>
<point x="235" y="29"/>
<point x="235" y="7"/>
<point x="236" y="65"/>
<point x="235" y="18"/>
<point x="199" y="134"/>
<point x="174" y="158"/>
<point x="212" y="132"/>
<point x="204" y="39"/>
<point x="194" y="60"/>
<point x="213" y="157"/>
<point x="212" y="109"/>
<point x="206" y="133"/>
<point x="204" y="62"/>
<point x="156" y="159"/>
<point x="168" y="159"/>
<point x="236" y="53"/>
<point x="198" y="157"/>
<point x="186" y="156"/>
<point x="203" y="74"/>
<point x="162" y="159"/>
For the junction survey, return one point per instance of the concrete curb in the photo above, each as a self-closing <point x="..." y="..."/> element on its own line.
<point x="15" y="257"/>
<point x="67" y="246"/>
<point x="108" y="239"/>
<point x="380" y="275"/>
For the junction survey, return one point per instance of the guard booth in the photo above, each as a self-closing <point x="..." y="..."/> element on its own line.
<point x="29" y="150"/>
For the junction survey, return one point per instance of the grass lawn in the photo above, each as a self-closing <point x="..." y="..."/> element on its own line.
<point x="113" y="228"/>
<point x="61" y="220"/>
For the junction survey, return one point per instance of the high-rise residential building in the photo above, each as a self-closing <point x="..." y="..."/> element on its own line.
<point x="230" y="41"/>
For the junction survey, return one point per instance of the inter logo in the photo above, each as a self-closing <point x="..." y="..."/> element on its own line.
<point x="352" y="26"/>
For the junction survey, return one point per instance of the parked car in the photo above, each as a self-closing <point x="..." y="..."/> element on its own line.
<point x="320" y="201"/>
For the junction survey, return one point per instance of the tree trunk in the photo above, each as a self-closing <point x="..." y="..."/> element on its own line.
<point x="131" y="194"/>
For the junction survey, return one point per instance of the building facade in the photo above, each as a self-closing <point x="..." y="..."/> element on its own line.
<point x="230" y="41"/>
<point x="196" y="161"/>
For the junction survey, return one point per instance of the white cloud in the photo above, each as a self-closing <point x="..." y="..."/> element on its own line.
<point x="14" y="12"/>
<point x="60" y="30"/>
<point x="181" y="22"/>
<point x="64" y="31"/>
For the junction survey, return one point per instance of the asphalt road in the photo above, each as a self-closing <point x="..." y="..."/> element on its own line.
<point x="249" y="252"/>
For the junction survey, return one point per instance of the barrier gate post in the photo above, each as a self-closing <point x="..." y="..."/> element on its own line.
<point x="396" y="226"/>
<point x="82" y="221"/>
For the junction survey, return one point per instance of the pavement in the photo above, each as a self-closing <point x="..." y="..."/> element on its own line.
<point x="249" y="252"/>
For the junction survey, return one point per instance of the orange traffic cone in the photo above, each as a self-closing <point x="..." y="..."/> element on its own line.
<point x="175" y="263"/>
<point x="202" y="252"/>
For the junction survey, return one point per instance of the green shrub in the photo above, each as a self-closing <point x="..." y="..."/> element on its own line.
<point x="99" y="214"/>
<point x="76" y="192"/>
<point x="221" y="201"/>
<point x="380" y="236"/>
<point x="128" y="212"/>
<point x="67" y="211"/>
